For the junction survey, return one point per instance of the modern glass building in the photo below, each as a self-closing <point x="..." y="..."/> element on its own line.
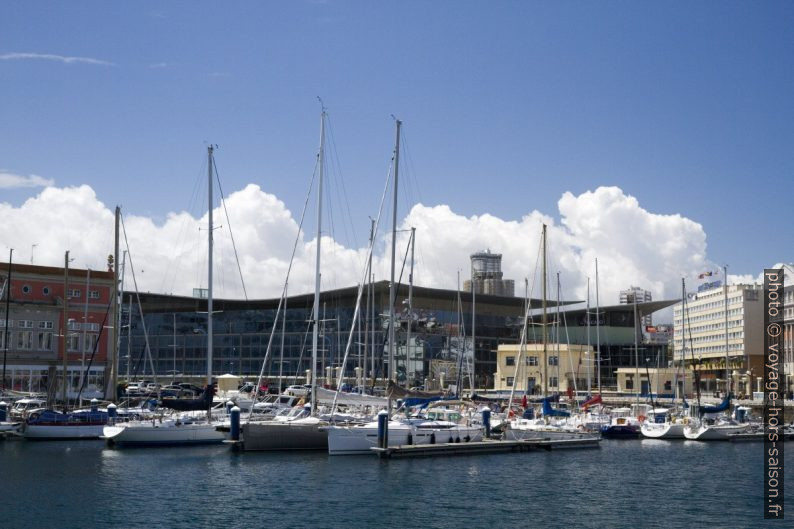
<point x="440" y="338"/>
<point x="438" y="345"/>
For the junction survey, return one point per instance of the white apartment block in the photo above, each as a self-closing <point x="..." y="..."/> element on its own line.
<point x="702" y="329"/>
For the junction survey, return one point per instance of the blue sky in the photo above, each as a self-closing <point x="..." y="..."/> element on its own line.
<point x="506" y="105"/>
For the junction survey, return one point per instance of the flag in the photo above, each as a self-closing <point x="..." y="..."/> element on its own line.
<point x="705" y="274"/>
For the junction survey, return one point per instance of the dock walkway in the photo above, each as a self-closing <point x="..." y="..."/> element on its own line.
<point x="482" y="447"/>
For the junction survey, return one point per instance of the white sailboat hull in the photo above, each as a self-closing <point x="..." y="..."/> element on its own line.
<point x="153" y="433"/>
<point x="359" y="440"/>
<point x="554" y="433"/>
<point x="716" y="432"/>
<point x="61" y="431"/>
<point x="663" y="430"/>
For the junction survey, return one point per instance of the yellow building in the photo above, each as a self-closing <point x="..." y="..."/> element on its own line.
<point x="561" y="364"/>
<point x="662" y="381"/>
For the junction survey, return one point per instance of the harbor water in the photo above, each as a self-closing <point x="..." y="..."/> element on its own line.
<point x="647" y="483"/>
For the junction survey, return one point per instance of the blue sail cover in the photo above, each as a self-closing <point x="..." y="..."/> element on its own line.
<point x="722" y="406"/>
<point x="551" y="412"/>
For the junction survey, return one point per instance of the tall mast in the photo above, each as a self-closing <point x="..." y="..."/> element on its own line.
<point x="6" y="336"/>
<point x="116" y="327"/>
<point x="65" y="330"/>
<point x="544" y="319"/>
<point x="283" y="332"/>
<point x="683" y="339"/>
<point x="587" y="311"/>
<point x="316" y="308"/>
<point x="392" y="289"/>
<point x="557" y="337"/>
<point x="368" y="321"/>
<point x="637" y="351"/>
<point x="85" y="326"/>
<point x="598" y="335"/>
<point x="473" y="376"/>
<point x="209" y="266"/>
<point x="728" y="381"/>
<point x="410" y="298"/>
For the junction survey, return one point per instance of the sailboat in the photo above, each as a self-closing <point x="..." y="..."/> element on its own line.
<point x="553" y="423"/>
<point x="710" y="424"/>
<point x="302" y="430"/>
<point x="184" y="429"/>
<point x="667" y="425"/>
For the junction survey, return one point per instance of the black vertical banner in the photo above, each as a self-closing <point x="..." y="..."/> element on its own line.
<point x="773" y="394"/>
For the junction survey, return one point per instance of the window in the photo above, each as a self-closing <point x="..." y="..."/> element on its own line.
<point x="509" y="382"/>
<point x="25" y="324"/>
<point x="531" y="383"/>
<point x="73" y="342"/>
<point x="73" y="292"/>
<point x="668" y="385"/>
<point x="553" y="360"/>
<point x="629" y="383"/>
<point x="553" y="382"/>
<point x="25" y="340"/>
<point x="90" y="327"/>
<point x="510" y="361"/>
<point x="532" y="360"/>
<point x="45" y="291"/>
<point x="26" y="289"/>
<point x="2" y="338"/>
<point x="45" y="325"/>
<point x="45" y="341"/>
<point x="93" y="294"/>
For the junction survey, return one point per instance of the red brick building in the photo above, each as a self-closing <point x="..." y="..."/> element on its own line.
<point x="33" y="343"/>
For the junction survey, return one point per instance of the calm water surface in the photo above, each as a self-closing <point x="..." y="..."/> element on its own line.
<point x="649" y="483"/>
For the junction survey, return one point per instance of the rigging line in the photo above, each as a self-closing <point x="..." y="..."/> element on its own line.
<point x="229" y="223"/>
<point x="93" y="353"/>
<point x="173" y="271"/>
<point x="335" y="158"/>
<point x="522" y="345"/>
<point x="574" y="373"/>
<point x="357" y="310"/>
<point x="303" y="350"/>
<point x="138" y="298"/>
<point x="286" y="281"/>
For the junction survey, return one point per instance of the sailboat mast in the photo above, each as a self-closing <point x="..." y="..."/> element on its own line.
<point x="65" y="328"/>
<point x="6" y="335"/>
<point x="557" y="334"/>
<point x="392" y="289"/>
<point x="410" y="298"/>
<point x="473" y="375"/>
<point x="283" y="333"/>
<point x="316" y="308"/>
<point x="587" y="311"/>
<point x="636" y="350"/>
<point x="209" y="265"/>
<point x="544" y="318"/>
<point x="116" y="327"/>
<point x="727" y="368"/>
<point x="598" y="335"/>
<point x="683" y="340"/>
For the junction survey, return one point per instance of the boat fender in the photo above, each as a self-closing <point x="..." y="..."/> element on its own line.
<point x="641" y="418"/>
<point x="450" y="439"/>
<point x="433" y="438"/>
<point x="467" y="438"/>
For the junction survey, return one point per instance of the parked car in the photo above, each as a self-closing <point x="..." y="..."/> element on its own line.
<point x="300" y="390"/>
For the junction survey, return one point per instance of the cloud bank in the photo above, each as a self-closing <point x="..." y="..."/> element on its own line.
<point x="633" y="246"/>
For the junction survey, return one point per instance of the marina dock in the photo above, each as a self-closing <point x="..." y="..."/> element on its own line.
<point x="482" y="447"/>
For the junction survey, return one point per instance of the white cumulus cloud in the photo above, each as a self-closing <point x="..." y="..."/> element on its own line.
<point x="634" y="246"/>
<point x="9" y="180"/>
